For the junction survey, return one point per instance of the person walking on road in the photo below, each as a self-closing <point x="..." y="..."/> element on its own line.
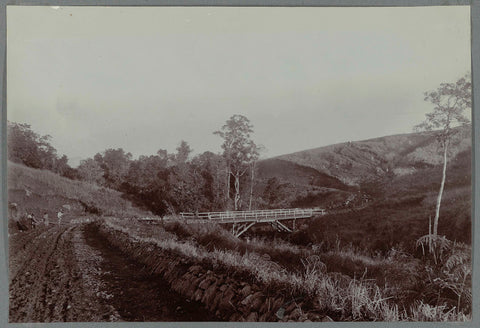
<point x="59" y="216"/>
<point x="45" y="219"/>
<point x="33" y="220"/>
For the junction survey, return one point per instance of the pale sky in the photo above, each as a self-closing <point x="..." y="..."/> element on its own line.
<point x="146" y="78"/>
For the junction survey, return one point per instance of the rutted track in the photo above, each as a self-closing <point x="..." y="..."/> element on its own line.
<point x="65" y="273"/>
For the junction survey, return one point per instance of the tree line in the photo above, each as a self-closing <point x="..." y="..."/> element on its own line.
<point x="165" y="182"/>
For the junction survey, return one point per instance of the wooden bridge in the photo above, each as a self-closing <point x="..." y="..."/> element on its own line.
<point x="243" y="220"/>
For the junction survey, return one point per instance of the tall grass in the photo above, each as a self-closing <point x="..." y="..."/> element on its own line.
<point x="355" y="299"/>
<point x="211" y="236"/>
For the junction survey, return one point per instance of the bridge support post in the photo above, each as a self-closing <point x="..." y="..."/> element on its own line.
<point x="280" y="226"/>
<point x="242" y="229"/>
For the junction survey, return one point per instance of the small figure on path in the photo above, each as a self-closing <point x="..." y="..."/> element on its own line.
<point x="13" y="211"/>
<point x="33" y="220"/>
<point x="45" y="219"/>
<point x="59" y="216"/>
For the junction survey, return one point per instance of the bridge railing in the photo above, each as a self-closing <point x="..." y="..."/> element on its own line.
<point x="257" y="215"/>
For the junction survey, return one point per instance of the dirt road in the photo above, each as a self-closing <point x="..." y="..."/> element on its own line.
<point x="68" y="273"/>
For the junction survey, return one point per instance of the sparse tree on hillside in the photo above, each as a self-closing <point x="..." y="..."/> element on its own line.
<point x="183" y="152"/>
<point x="31" y="149"/>
<point x="211" y="168"/>
<point x="184" y="181"/>
<point x="238" y="150"/>
<point x="27" y="147"/>
<point x="115" y="164"/>
<point x="271" y="193"/>
<point x="61" y="165"/>
<point x="89" y="170"/>
<point x="450" y="101"/>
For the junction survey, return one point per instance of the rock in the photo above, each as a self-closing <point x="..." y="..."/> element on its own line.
<point x="209" y="294"/>
<point x="290" y="307"/>
<point x="296" y="313"/>
<point x="192" y="283"/>
<point x="205" y="284"/>
<point x="189" y="289"/>
<point x="280" y="314"/>
<point x="177" y="285"/>
<point x="195" y="269"/>
<point x="257" y="300"/>
<point x="313" y="317"/>
<point x="303" y="317"/>
<point x="197" y="296"/>
<point x="223" y="288"/>
<point x="277" y="303"/>
<point x="246" y="301"/>
<point x="216" y="301"/>
<point x="235" y="317"/>
<point x="326" y="319"/>
<point x="224" y="303"/>
<point x="247" y="290"/>
<point x="252" y="317"/>
<point x="196" y="282"/>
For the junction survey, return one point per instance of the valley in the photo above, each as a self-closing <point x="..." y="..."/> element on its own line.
<point x="360" y="261"/>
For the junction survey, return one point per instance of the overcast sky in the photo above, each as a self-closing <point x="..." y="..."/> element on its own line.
<point x="145" y="78"/>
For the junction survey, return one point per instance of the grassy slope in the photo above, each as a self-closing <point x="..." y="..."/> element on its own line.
<point x="297" y="174"/>
<point x="352" y="162"/>
<point x="401" y="212"/>
<point x="403" y="197"/>
<point x="41" y="191"/>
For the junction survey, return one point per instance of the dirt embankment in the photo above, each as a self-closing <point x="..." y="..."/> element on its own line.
<point x="65" y="273"/>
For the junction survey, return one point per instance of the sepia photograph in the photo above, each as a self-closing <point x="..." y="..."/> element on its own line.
<point x="239" y="164"/>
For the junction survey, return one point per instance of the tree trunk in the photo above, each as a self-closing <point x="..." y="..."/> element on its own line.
<point x="227" y="193"/>
<point x="251" y="187"/>
<point x="237" y="190"/>
<point x="440" y="193"/>
<point x="217" y="187"/>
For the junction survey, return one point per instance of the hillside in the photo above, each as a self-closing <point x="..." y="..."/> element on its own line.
<point x="297" y="174"/>
<point x="394" y="183"/>
<point x="352" y="162"/>
<point x="42" y="191"/>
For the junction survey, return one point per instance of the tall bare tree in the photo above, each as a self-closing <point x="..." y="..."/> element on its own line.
<point x="450" y="101"/>
<point x="238" y="150"/>
<point x="253" y="164"/>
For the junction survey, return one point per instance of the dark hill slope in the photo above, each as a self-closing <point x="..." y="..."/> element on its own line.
<point x="297" y="174"/>
<point x="352" y="162"/>
<point x="403" y="193"/>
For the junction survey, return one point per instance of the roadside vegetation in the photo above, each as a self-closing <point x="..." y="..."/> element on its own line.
<point x="341" y="282"/>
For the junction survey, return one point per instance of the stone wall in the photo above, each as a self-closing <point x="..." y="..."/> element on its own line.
<point x="224" y="293"/>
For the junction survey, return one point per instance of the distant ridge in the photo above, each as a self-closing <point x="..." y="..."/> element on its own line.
<point x="352" y="162"/>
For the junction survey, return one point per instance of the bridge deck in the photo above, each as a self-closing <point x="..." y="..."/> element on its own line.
<point x="255" y="216"/>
